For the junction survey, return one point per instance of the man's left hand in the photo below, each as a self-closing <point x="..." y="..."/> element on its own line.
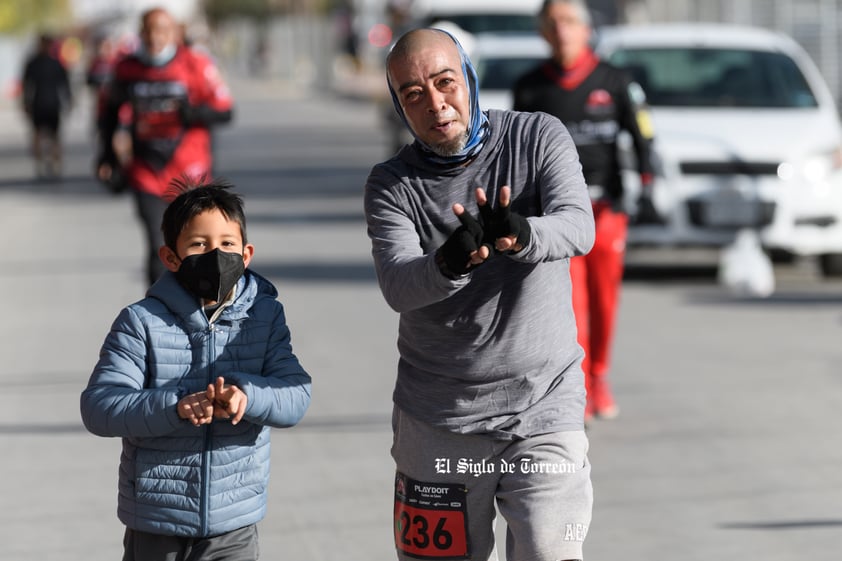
<point x="504" y="229"/>
<point x="646" y="211"/>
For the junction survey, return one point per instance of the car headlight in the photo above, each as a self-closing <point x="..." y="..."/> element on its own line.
<point x="786" y="171"/>
<point x="818" y="167"/>
<point x="814" y="169"/>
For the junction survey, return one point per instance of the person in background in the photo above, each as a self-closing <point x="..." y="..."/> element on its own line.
<point x="472" y="226"/>
<point x="98" y="76"/>
<point x="169" y="97"/>
<point x="46" y="95"/>
<point x="596" y="102"/>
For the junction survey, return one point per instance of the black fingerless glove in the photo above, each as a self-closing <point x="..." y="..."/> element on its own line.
<point x="192" y="115"/>
<point x="502" y="222"/>
<point x="454" y="256"/>
<point x="202" y="115"/>
<point x="646" y="211"/>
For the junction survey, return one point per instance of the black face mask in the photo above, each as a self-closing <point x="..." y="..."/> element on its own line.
<point x="211" y="275"/>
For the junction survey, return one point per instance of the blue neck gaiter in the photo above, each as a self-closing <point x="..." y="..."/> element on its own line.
<point x="160" y="59"/>
<point x="477" y="126"/>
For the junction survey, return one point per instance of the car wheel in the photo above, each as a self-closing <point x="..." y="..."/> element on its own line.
<point x="781" y="256"/>
<point x="831" y="264"/>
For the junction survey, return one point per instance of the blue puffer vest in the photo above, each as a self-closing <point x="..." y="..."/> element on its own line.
<point x="175" y="478"/>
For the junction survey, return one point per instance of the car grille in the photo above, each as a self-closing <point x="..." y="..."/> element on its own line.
<point x="763" y="214"/>
<point x="729" y="168"/>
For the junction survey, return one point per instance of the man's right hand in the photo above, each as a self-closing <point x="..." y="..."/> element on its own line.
<point x="110" y="174"/>
<point x="464" y="249"/>
<point x="104" y="172"/>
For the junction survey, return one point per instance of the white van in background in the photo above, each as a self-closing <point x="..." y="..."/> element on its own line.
<point x="500" y="60"/>
<point x="747" y="134"/>
<point x="480" y="16"/>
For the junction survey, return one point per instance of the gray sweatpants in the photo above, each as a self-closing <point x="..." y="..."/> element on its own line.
<point x="541" y="485"/>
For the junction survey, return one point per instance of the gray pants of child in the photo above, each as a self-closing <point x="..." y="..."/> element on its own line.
<point x="541" y="486"/>
<point x="237" y="545"/>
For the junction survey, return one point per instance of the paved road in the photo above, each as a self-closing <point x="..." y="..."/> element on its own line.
<point x="728" y="445"/>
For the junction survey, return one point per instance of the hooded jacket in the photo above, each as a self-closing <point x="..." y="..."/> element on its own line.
<point x="175" y="478"/>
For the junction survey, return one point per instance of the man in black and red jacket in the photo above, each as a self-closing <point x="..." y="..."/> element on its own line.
<point x="596" y="102"/>
<point x="169" y="96"/>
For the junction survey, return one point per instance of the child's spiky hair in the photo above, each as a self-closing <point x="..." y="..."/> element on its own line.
<point x="191" y="197"/>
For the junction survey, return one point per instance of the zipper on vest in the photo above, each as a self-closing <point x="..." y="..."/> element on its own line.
<point x="204" y="499"/>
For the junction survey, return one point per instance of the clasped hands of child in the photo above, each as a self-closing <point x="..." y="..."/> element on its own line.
<point x="219" y="401"/>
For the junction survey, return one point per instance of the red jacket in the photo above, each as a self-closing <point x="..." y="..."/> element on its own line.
<point x="169" y="110"/>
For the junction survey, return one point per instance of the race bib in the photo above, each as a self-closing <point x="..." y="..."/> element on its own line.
<point x="431" y="519"/>
<point x="157" y="109"/>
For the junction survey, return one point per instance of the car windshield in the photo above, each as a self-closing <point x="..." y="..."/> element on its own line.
<point x="502" y="73"/>
<point x="490" y="23"/>
<point x="704" y="77"/>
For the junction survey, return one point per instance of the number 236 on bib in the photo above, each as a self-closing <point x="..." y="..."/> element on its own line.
<point x="431" y="519"/>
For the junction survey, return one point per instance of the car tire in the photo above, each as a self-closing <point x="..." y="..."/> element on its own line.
<point x="831" y="264"/>
<point x="781" y="256"/>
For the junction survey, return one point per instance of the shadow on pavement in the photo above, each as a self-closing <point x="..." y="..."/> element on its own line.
<point x="54" y="429"/>
<point x="318" y="272"/>
<point x="298" y="182"/>
<point x="339" y="217"/>
<point x="75" y="185"/>
<point x="347" y="423"/>
<point x="807" y="297"/>
<point x="670" y="273"/>
<point x="70" y="266"/>
<point x="782" y="525"/>
<point x="338" y="423"/>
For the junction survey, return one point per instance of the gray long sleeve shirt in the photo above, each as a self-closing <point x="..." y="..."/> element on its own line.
<point x="494" y="351"/>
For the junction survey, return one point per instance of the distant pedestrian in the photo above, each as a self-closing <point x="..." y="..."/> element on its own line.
<point x="98" y="76"/>
<point x="46" y="95"/>
<point x="169" y="96"/>
<point x="191" y="378"/>
<point x="596" y="102"/>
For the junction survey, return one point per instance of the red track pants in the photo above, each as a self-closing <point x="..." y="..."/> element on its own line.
<point x="596" y="279"/>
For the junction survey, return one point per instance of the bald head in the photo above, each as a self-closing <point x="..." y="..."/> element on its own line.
<point x="419" y="41"/>
<point x="154" y="12"/>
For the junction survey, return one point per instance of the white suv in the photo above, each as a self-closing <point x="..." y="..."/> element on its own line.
<point x="747" y="134"/>
<point x="480" y="16"/>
